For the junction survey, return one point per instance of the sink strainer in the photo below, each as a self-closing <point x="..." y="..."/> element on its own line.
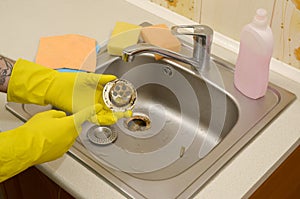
<point x="101" y="135"/>
<point x="119" y="95"/>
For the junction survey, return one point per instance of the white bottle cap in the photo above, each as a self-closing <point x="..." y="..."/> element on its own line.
<point x="261" y="18"/>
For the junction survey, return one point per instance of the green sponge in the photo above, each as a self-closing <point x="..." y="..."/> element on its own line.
<point x="123" y="35"/>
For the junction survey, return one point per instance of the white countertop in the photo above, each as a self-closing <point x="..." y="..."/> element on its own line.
<point x="24" y="22"/>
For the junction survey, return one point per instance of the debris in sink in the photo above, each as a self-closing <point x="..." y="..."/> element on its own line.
<point x="182" y="151"/>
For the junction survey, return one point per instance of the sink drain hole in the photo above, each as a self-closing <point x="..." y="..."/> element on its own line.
<point x="138" y="122"/>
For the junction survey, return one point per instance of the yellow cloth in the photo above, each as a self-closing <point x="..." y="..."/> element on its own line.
<point x="45" y="137"/>
<point x="67" y="51"/>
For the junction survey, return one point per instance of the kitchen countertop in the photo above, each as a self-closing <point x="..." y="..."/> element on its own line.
<point x="24" y="22"/>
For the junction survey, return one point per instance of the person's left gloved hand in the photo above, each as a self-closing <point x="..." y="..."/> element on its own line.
<point x="71" y="92"/>
<point x="44" y="137"/>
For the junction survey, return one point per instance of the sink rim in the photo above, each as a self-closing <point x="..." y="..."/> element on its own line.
<point x="207" y="167"/>
<point x="223" y="153"/>
<point x="284" y="99"/>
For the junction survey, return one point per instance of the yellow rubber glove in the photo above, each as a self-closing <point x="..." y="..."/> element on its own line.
<point x="45" y="137"/>
<point x="71" y="92"/>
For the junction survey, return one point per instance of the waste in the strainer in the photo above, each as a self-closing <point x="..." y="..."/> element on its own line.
<point x="119" y="95"/>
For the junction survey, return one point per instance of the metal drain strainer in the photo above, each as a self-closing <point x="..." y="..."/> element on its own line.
<point x="101" y="135"/>
<point x="119" y="95"/>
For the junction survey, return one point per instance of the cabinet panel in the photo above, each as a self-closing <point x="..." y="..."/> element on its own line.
<point x="31" y="184"/>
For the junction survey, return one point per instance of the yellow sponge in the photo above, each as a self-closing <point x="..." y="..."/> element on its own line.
<point x="123" y="35"/>
<point x="160" y="35"/>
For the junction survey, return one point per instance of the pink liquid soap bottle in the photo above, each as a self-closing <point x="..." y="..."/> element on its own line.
<point x="251" y="74"/>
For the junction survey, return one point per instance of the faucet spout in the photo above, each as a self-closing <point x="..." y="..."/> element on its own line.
<point x="130" y="52"/>
<point x="200" y="61"/>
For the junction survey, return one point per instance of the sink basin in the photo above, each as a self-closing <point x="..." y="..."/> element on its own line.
<point x="187" y="118"/>
<point x="184" y="127"/>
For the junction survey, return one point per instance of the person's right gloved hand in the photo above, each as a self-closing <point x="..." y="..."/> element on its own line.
<point x="45" y="137"/>
<point x="70" y="92"/>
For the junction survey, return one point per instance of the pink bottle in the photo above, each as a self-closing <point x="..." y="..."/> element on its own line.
<point x="251" y="74"/>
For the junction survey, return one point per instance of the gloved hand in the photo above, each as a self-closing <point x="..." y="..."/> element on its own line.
<point x="45" y="137"/>
<point x="71" y="92"/>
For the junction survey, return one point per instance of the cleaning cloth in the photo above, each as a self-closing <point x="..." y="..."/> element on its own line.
<point x="70" y="51"/>
<point x="160" y="35"/>
<point x="123" y="35"/>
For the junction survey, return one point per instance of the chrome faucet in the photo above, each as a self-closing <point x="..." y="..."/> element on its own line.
<point x="202" y="38"/>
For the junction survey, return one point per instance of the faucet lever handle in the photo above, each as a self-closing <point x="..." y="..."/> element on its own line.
<point x="198" y="30"/>
<point x="202" y="35"/>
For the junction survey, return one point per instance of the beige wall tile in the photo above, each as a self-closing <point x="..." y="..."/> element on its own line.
<point x="286" y="29"/>
<point x="183" y="7"/>
<point x="228" y="17"/>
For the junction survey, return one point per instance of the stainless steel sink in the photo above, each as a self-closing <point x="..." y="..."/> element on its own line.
<point x="184" y="129"/>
